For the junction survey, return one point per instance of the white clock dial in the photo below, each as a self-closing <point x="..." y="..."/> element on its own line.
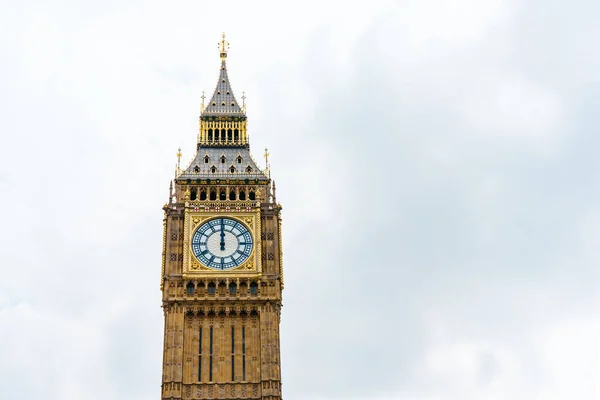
<point x="222" y="243"/>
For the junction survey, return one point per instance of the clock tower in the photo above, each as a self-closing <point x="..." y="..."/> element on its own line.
<point x="222" y="271"/>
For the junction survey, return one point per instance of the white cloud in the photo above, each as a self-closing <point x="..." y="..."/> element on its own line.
<point x="426" y="163"/>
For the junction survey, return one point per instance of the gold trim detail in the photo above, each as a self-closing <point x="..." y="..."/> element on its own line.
<point x="192" y="268"/>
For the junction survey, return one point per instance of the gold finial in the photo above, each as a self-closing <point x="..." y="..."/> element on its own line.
<point x="224" y="46"/>
<point x="203" y="97"/>
<point x="244" y="101"/>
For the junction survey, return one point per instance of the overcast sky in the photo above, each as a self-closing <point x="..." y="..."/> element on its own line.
<point x="436" y="162"/>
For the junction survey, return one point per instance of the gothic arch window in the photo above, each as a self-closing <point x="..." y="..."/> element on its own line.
<point x="223" y="159"/>
<point x="232" y="288"/>
<point x="196" y="169"/>
<point x="252" y="195"/>
<point x="231" y="194"/>
<point x="193" y="194"/>
<point x="253" y="289"/>
<point x="222" y="195"/>
<point x="236" y="135"/>
<point x="213" y="169"/>
<point x="206" y="159"/>
<point x="213" y="194"/>
<point x="190" y="288"/>
<point x="242" y="194"/>
<point x="216" y="135"/>
<point x="239" y="159"/>
<point x="229" y="133"/>
<point x="211" y="288"/>
<point x="248" y="169"/>
<point x="232" y="169"/>
<point x="203" y="194"/>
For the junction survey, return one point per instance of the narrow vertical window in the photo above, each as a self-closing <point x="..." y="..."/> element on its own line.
<point x="232" y="353"/>
<point x="243" y="353"/>
<point x="190" y="288"/>
<point x="210" y="367"/>
<point x="253" y="289"/>
<point x="200" y="356"/>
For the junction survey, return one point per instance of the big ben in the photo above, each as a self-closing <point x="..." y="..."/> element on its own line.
<point x="222" y="271"/>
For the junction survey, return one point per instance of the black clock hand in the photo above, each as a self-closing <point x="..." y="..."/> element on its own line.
<point x="222" y="236"/>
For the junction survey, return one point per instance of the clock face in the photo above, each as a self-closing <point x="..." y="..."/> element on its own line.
<point x="222" y="243"/>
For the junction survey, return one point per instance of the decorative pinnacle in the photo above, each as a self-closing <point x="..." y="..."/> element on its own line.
<point x="178" y="158"/>
<point x="244" y="101"/>
<point x="267" y="161"/>
<point x="203" y="97"/>
<point x="224" y="46"/>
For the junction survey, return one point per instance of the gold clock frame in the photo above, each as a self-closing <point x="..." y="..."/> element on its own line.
<point x="193" y="268"/>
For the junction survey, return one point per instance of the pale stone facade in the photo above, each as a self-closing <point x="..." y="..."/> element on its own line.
<point x="221" y="338"/>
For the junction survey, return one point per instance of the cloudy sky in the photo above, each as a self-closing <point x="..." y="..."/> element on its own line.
<point x="436" y="162"/>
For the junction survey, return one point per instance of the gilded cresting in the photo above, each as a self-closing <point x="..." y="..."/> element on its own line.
<point x="222" y="268"/>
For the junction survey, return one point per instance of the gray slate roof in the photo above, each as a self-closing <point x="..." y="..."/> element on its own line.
<point x="223" y="101"/>
<point x="222" y="169"/>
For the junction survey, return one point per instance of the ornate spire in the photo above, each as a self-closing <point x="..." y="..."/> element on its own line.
<point x="223" y="102"/>
<point x="223" y="148"/>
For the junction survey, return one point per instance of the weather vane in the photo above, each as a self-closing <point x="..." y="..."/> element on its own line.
<point x="224" y="46"/>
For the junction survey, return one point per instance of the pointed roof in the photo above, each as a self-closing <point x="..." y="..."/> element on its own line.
<point x="223" y="102"/>
<point x="216" y="163"/>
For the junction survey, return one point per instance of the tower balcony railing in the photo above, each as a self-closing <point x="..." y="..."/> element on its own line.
<point x="232" y="204"/>
<point x="221" y="174"/>
<point x="244" y="292"/>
